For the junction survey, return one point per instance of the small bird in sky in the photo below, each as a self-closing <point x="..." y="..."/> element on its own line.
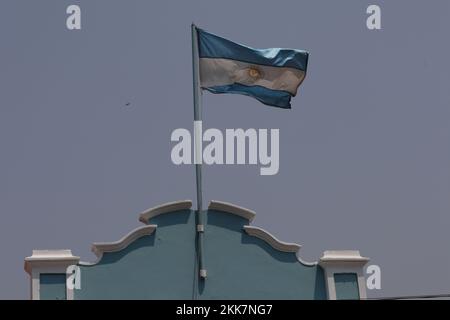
<point x="127" y="104"/>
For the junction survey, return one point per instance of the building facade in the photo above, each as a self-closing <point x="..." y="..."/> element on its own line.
<point x="158" y="261"/>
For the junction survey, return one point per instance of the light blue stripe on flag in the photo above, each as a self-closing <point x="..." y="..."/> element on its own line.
<point x="212" y="46"/>
<point x="269" y="97"/>
<point x="271" y="76"/>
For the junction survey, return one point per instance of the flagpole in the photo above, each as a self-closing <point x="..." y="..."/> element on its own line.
<point x="198" y="157"/>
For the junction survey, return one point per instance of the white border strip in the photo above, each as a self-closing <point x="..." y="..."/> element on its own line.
<point x="270" y="239"/>
<point x="146" y="215"/>
<point x="277" y="244"/>
<point x="101" y="247"/>
<point x="233" y="209"/>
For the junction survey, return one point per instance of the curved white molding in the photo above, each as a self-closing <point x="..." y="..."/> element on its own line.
<point x="306" y="263"/>
<point x="277" y="244"/>
<point x="101" y="247"/>
<point x="270" y="239"/>
<point x="233" y="209"/>
<point x="146" y="215"/>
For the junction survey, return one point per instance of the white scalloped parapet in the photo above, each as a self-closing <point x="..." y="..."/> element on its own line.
<point x="333" y="257"/>
<point x="233" y="209"/>
<point x="146" y="215"/>
<point x="42" y="258"/>
<point x="101" y="247"/>
<point x="270" y="239"/>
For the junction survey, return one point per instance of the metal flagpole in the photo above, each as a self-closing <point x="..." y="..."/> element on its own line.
<point x="198" y="157"/>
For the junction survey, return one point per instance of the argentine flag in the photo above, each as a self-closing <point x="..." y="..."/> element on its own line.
<point x="270" y="75"/>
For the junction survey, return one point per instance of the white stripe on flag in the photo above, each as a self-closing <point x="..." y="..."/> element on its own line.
<point x="221" y="72"/>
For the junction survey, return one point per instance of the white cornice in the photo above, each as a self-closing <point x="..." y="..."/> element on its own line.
<point x="146" y="215"/>
<point x="101" y="247"/>
<point x="46" y="258"/>
<point x="342" y="257"/>
<point x="233" y="209"/>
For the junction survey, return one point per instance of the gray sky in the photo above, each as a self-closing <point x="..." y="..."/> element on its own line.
<point x="364" y="152"/>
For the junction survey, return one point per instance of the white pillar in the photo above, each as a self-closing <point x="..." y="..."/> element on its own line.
<point x="343" y="261"/>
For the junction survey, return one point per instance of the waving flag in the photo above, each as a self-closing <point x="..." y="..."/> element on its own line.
<point x="221" y="66"/>
<point x="270" y="75"/>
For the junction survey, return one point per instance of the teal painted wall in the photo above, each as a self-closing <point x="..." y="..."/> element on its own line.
<point x="244" y="267"/>
<point x="157" y="266"/>
<point x="52" y="286"/>
<point x="162" y="265"/>
<point x="346" y="286"/>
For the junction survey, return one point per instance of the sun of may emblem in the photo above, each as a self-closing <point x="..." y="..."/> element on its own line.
<point x="254" y="73"/>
